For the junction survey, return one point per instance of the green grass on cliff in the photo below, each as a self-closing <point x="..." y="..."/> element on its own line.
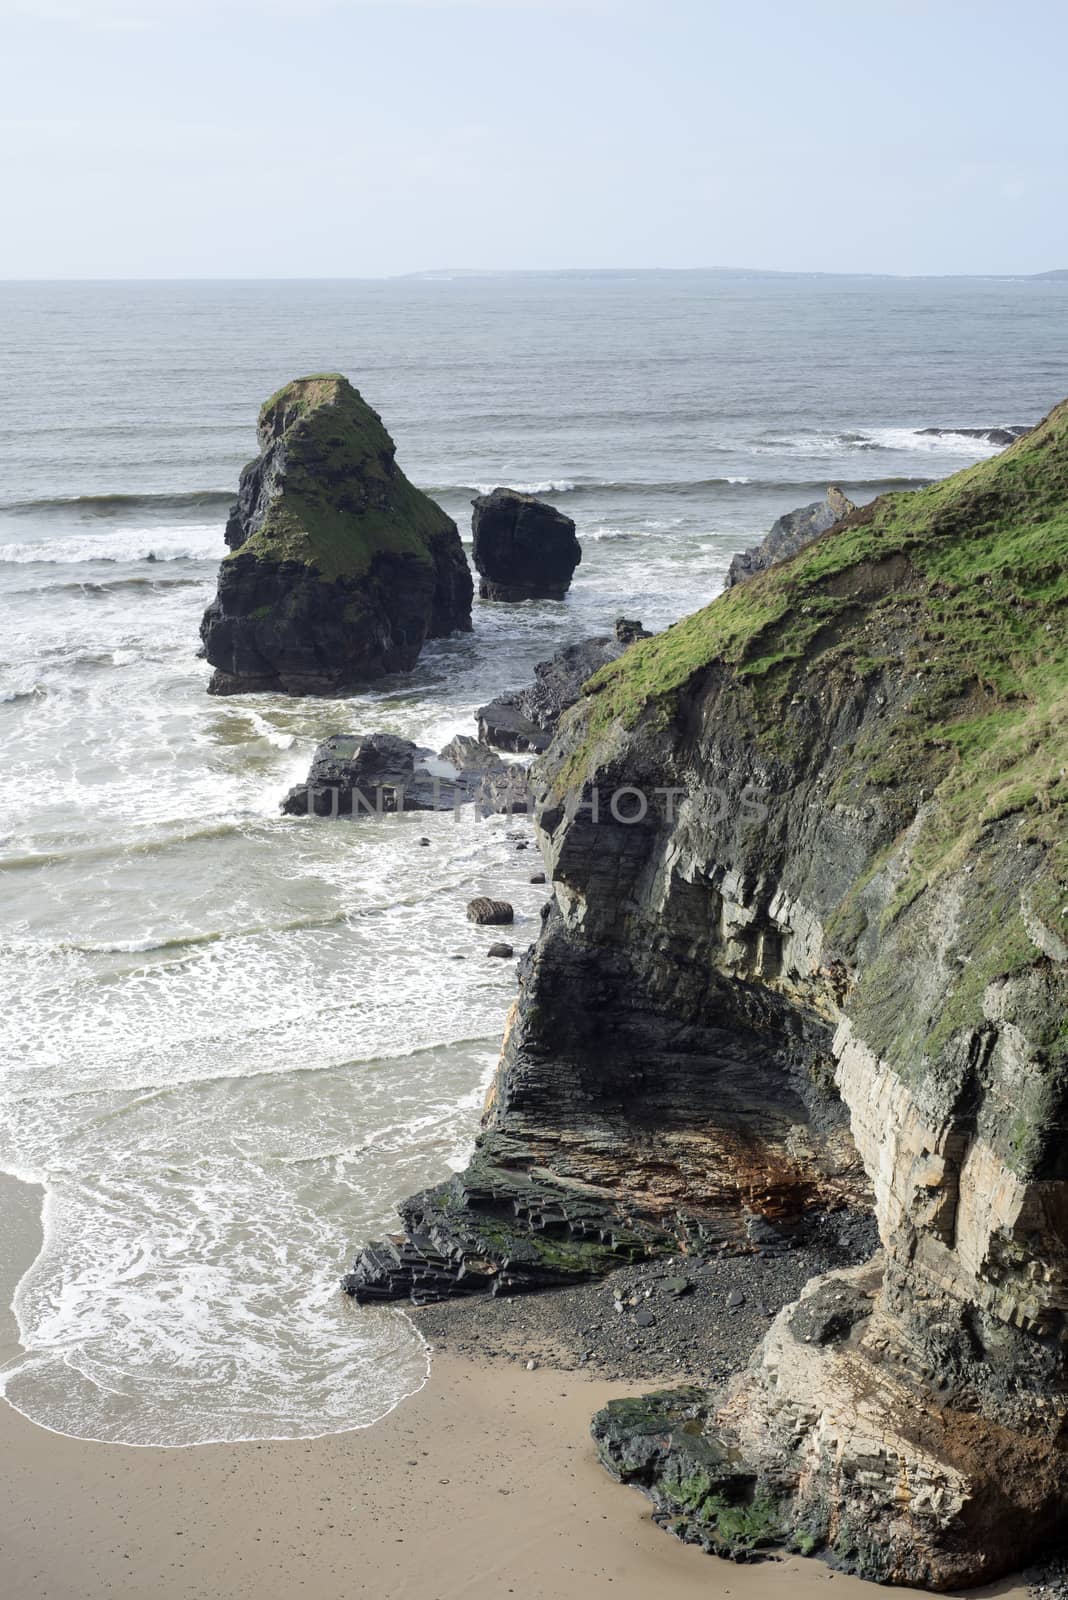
<point x="345" y="500"/>
<point x="964" y="584"/>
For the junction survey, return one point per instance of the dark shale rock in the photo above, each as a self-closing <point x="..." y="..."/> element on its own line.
<point x="490" y="913"/>
<point x="339" y="568"/>
<point x="831" y="1313"/>
<point x="526" y="718"/>
<point x="503" y="951"/>
<point x="523" y="548"/>
<point x="503" y="786"/>
<point x="660" y="1443"/>
<point x="788" y="535"/>
<point x="501" y="1228"/>
<point x="354" y="775"/>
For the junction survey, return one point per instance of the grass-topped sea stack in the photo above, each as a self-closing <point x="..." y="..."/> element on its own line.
<point x="339" y="568"/>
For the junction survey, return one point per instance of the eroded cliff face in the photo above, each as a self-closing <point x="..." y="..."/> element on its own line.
<point x="828" y="959"/>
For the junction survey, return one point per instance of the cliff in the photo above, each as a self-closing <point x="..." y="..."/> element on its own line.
<point x="808" y="941"/>
<point x="339" y="568"/>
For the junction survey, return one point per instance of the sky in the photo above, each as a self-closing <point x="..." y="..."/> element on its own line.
<point x="365" y="138"/>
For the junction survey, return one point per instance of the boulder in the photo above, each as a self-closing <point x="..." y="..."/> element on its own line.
<point x="523" y="548"/>
<point x="526" y="718"/>
<point x="355" y="775"/>
<point x="490" y="913"/>
<point x="500" y="951"/>
<point x="789" y="535"/>
<point x="338" y="568"/>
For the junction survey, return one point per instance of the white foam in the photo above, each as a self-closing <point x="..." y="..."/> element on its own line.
<point x="220" y="1124"/>
<point x="872" y="440"/>
<point x="188" y="543"/>
<point x="945" y="444"/>
<point x="23" y="683"/>
<point x="549" y="486"/>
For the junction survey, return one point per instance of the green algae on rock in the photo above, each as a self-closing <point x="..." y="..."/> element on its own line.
<point x="339" y="569"/>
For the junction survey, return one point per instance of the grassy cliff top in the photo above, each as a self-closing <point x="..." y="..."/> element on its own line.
<point x="972" y="571"/>
<point x="342" y="499"/>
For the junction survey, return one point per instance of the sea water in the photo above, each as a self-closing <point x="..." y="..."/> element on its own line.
<point x="232" y="1041"/>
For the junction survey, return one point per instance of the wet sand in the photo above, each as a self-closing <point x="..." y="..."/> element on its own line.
<point x="484" y="1484"/>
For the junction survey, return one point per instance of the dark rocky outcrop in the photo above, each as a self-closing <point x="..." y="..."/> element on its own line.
<point x="1002" y="437"/>
<point x="788" y="535"/>
<point x="523" y="548"/>
<point x="828" y="961"/>
<point x="525" y="719"/>
<point x="357" y="775"/>
<point x="339" y="569"/>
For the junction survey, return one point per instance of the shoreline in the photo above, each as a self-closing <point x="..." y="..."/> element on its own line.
<point x="483" y="1483"/>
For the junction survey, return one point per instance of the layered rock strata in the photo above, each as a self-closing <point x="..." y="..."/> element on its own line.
<point x="809" y="940"/>
<point x="339" y="569"/>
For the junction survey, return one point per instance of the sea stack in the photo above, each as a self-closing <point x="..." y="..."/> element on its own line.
<point x="339" y="568"/>
<point x="523" y="548"/>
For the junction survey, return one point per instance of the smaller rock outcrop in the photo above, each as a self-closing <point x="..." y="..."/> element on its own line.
<point x="526" y="718"/>
<point x="789" y="534"/>
<point x="354" y="775"/>
<point x="339" y="569"/>
<point x="523" y="548"/>
<point x="1002" y="437"/>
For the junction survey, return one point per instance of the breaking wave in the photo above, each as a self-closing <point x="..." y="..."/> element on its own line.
<point x="138" y="544"/>
<point x="637" y="488"/>
<point x="111" y="506"/>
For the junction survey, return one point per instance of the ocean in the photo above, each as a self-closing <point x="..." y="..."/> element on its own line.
<point x="231" y="1042"/>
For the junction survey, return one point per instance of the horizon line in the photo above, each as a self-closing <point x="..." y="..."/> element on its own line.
<point x="451" y="274"/>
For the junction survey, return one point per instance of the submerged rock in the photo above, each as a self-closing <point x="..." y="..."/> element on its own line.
<point x="339" y="568"/>
<point x="355" y="775"/>
<point x="1002" y="437"/>
<point x="789" y="534"/>
<point x="526" y="718"/>
<point x="523" y="548"/>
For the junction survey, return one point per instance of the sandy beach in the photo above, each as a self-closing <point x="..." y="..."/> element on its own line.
<point x="483" y="1484"/>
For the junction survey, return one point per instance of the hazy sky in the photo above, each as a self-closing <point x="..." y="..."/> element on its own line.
<point x="344" y="138"/>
